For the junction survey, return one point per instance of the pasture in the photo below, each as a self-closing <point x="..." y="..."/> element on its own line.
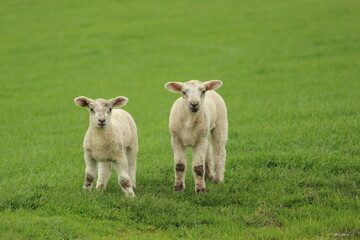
<point x="291" y="83"/>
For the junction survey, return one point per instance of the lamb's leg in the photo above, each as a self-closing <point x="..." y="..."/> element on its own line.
<point x="131" y="157"/>
<point x="198" y="165"/>
<point x="179" y="163"/>
<point x="90" y="171"/>
<point x="122" y="168"/>
<point x="104" y="171"/>
<point x="219" y="138"/>
<point x="209" y="162"/>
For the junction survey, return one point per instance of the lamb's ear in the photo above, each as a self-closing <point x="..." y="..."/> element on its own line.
<point x="119" y="101"/>
<point x="212" y="84"/>
<point x="83" y="101"/>
<point x="174" y="86"/>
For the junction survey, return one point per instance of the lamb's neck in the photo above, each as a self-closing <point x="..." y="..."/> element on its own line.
<point x="190" y="117"/>
<point x="103" y="131"/>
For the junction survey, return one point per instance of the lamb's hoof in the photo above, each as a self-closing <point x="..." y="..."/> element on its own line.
<point x="210" y="177"/>
<point x="101" y="187"/>
<point x="179" y="188"/>
<point x="130" y="194"/>
<point x="217" y="180"/>
<point x="200" y="189"/>
<point x="87" y="188"/>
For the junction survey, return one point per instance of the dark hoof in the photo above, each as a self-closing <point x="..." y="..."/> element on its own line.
<point x="179" y="188"/>
<point x="200" y="190"/>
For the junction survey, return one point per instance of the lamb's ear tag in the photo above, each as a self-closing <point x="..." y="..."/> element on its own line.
<point x="174" y="86"/>
<point x="119" y="101"/>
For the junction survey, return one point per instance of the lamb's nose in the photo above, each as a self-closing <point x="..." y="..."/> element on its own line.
<point x="194" y="104"/>
<point x="102" y="120"/>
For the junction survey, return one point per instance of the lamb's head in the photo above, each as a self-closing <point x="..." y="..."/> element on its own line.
<point x="193" y="92"/>
<point x="100" y="109"/>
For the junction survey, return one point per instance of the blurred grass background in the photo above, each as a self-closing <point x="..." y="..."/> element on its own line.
<point x="291" y="83"/>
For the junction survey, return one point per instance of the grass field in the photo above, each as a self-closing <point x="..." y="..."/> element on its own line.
<point x="291" y="82"/>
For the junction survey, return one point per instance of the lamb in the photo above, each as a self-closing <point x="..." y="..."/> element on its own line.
<point x="110" y="138"/>
<point x="198" y="119"/>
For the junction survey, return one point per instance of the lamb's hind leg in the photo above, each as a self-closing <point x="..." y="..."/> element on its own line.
<point x="131" y="153"/>
<point x="209" y="162"/>
<point x="219" y="138"/>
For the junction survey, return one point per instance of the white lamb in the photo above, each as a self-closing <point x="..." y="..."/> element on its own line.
<point x="110" y="138"/>
<point x="198" y="119"/>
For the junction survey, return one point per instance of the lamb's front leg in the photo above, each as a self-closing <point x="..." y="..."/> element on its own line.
<point x="122" y="168"/>
<point x="104" y="171"/>
<point x="179" y="163"/>
<point x="90" y="170"/>
<point x="198" y="164"/>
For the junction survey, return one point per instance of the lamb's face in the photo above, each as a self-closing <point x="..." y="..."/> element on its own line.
<point x="100" y="109"/>
<point x="100" y="112"/>
<point x="193" y="92"/>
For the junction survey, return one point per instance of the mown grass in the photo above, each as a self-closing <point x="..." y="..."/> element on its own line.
<point x="291" y="83"/>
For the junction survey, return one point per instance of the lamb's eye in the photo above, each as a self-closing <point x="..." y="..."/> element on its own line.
<point x="110" y="110"/>
<point x="203" y="91"/>
<point x="91" y="109"/>
<point x="184" y="93"/>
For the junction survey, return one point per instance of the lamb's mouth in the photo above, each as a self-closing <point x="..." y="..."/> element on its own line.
<point x="101" y="124"/>
<point x="194" y="110"/>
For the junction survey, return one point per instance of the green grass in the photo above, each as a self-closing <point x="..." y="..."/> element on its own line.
<point x="291" y="83"/>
